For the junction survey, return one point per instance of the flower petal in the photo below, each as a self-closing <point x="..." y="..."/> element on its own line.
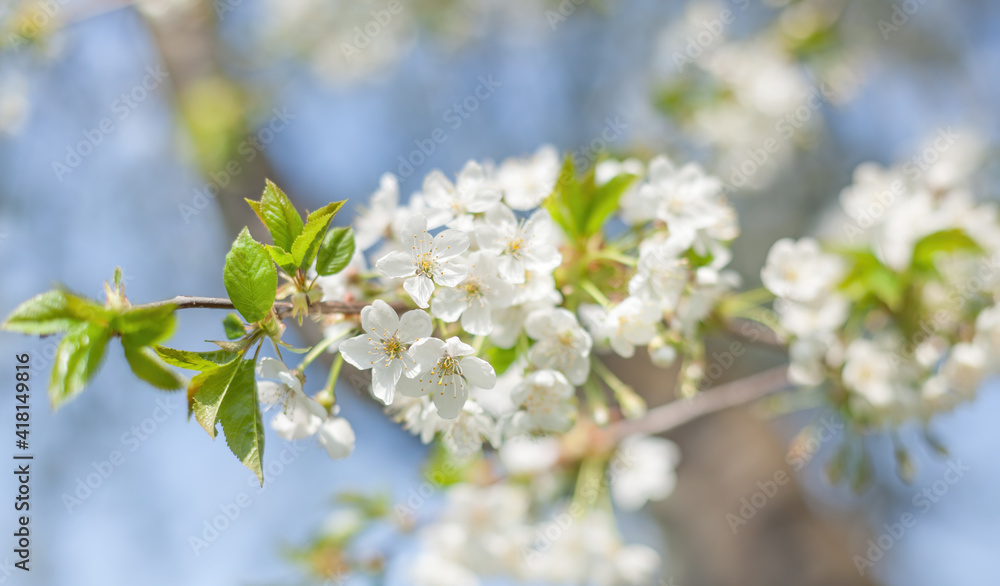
<point x="413" y="325"/>
<point x="384" y="379"/>
<point x="427" y="352"/>
<point x="420" y="289"/>
<point x="478" y="319"/>
<point x="270" y="392"/>
<point x="479" y="372"/>
<point x="450" y="243"/>
<point x="270" y="368"/>
<point x="451" y="273"/>
<point x="448" y="304"/>
<point x="451" y="394"/>
<point x="358" y="351"/>
<point x="380" y="320"/>
<point x="337" y="437"/>
<point x="396" y="265"/>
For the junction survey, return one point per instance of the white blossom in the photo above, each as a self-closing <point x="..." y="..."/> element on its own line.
<point x="429" y="261"/>
<point x="373" y="223"/>
<point x="527" y="182"/>
<point x="870" y="372"/>
<point x="337" y="437"/>
<point x="560" y="343"/>
<point x="800" y="271"/>
<point x="519" y="245"/>
<point x="474" y="298"/>
<point x="546" y="398"/>
<point x="301" y="415"/>
<point x="965" y="368"/>
<point x="444" y="370"/>
<point x="384" y="346"/>
<point x="454" y="204"/>
<point x="643" y="470"/>
<point x="629" y="324"/>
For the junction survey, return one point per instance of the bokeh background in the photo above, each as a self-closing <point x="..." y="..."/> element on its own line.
<point x="204" y="99"/>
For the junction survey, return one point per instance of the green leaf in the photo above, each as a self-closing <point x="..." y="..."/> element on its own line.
<point x="868" y="277"/>
<point x="234" y="327"/>
<point x="336" y="251"/>
<point x="151" y="369"/>
<point x="250" y="277"/>
<point x="227" y="394"/>
<point x="241" y="420"/>
<point x="211" y="386"/>
<point x="77" y="359"/>
<point x="943" y="242"/>
<point x="193" y="360"/>
<point x="501" y="358"/>
<point x="566" y="188"/>
<point x="236" y="346"/>
<point x="279" y="215"/>
<point x="52" y="312"/>
<point x="605" y="202"/>
<point x="145" y="326"/>
<point x="307" y="244"/>
<point x="283" y="259"/>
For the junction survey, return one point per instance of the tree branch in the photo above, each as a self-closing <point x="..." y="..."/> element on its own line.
<point x="283" y="307"/>
<point x="677" y="413"/>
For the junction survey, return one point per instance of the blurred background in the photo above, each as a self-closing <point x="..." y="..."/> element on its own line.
<point x="130" y="132"/>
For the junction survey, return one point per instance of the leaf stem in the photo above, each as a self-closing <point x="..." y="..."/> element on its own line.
<point x="595" y="292"/>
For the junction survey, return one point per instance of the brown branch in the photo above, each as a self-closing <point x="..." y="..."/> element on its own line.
<point x="758" y="332"/>
<point x="284" y="308"/>
<point x="677" y="413"/>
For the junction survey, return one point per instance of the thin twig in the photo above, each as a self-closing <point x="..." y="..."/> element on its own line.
<point x="754" y="331"/>
<point x="677" y="413"/>
<point x="283" y="307"/>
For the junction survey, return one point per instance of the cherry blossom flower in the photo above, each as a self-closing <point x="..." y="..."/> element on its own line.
<point x="643" y="470"/>
<point x="629" y="324"/>
<point x="800" y="270"/>
<point x="561" y="343"/>
<point x="527" y="182"/>
<point x="444" y="370"/>
<point x="429" y="261"/>
<point x="547" y="401"/>
<point x="337" y="437"/>
<point x="383" y="347"/>
<point x="520" y="246"/>
<point x="454" y="204"/>
<point x="301" y="415"/>
<point x="374" y="222"/>
<point x="475" y="297"/>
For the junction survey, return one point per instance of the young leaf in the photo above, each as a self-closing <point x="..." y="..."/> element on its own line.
<point x="77" y="359"/>
<point x="565" y="196"/>
<point x="279" y="215"/>
<point x="241" y="420"/>
<point x="212" y="385"/>
<point x="283" y="259"/>
<point x="52" y="312"/>
<point x="501" y="358"/>
<point x="227" y="394"/>
<point x="151" y="369"/>
<point x="250" y="277"/>
<point x="336" y="251"/>
<point x="145" y="326"/>
<point x="306" y="245"/>
<point x="193" y="360"/>
<point x="234" y="326"/>
<point x="605" y="201"/>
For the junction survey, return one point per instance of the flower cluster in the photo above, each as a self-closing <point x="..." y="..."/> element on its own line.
<point x="900" y="315"/>
<point x="501" y="283"/>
